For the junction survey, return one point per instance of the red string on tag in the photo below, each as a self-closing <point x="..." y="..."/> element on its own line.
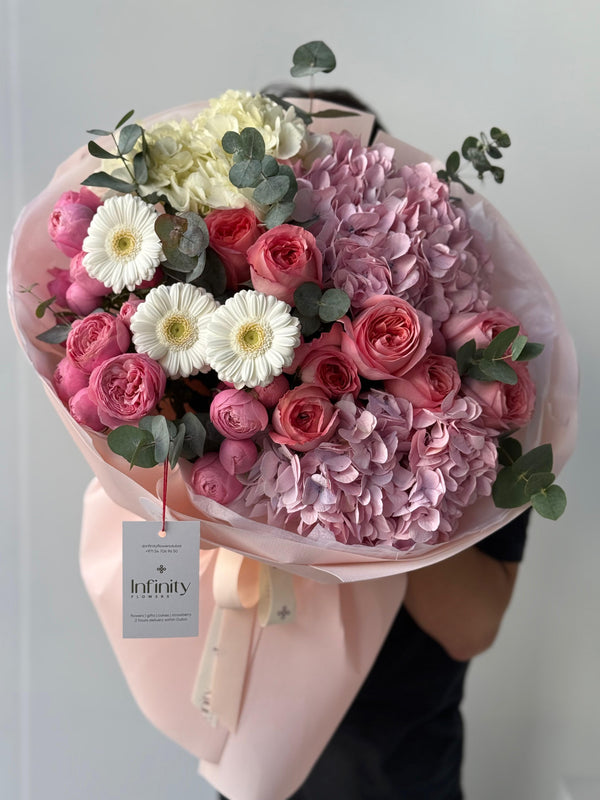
<point x="163" y="532"/>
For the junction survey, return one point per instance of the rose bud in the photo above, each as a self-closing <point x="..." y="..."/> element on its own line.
<point x="237" y="414"/>
<point x="81" y="301"/>
<point x="209" y="478"/>
<point x="84" y="410"/>
<point x="237" y="455"/>
<point x="482" y="327"/>
<point x="58" y="286"/>
<point x="129" y="308"/>
<point x="269" y="395"/>
<point x="504" y="407"/>
<point x="70" y="219"/>
<point x="80" y="275"/>
<point x="68" y="379"/>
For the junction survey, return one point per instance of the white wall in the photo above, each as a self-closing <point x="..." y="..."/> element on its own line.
<point x="437" y="71"/>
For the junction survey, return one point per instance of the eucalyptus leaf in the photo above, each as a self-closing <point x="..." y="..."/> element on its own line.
<point x="278" y="214"/>
<point x="95" y="150"/>
<point x="474" y="371"/>
<point x="124" y="119"/>
<point x="245" y="173"/>
<point x="499" y="371"/>
<point x="252" y="143"/>
<point x="214" y="276"/>
<point x="128" y="137"/>
<point x="508" y="490"/>
<point x="44" y="306"/>
<point x="176" y="446"/>
<point x="529" y="351"/>
<point x="194" y="239"/>
<point x="310" y="325"/>
<point x="453" y="162"/>
<point x="195" y="433"/>
<point x="162" y="440"/>
<point x="179" y="261"/>
<point x="509" y="450"/>
<point x="311" y="58"/>
<point x="517" y="346"/>
<point x="140" y="168"/>
<point x="55" y="335"/>
<point x="334" y="304"/>
<point x="493" y="152"/>
<point x="307" y="299"/>
<point x="498" y="174"/>
<point x="231" y="142"/>
<point x="285" y="169"/>
<point x="272" y="190"/>
<point x="98" y="132"/>
<point x="269" y="166"/>
<point x="470" y="143"/>
<point x="501" y="342"/>
<point x="107" y="181"/>
<point x="136" y="445"/>
<point x="500" y="137"/>
<point x="537" y="460"/>
<point x="464" y="355"/>
<point x="550" y="503"/>
<point x="539" y="481"/>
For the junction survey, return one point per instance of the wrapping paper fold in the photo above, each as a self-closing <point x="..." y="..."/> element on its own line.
<point x="302" y="676"/>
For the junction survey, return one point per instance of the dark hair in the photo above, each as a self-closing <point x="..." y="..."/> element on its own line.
<point x="341" y="96"/>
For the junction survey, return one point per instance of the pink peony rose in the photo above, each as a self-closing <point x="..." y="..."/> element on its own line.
<point x="84" y="410"/>
<point x="232" y="231"/>
<point x="303" y="418"/>
<point x="269" y="395"/>
<point x="209" y="478"/>
<point x="70" y="219"/>
<point x="126" y="388"/>
<point x="504" y="407"/>
<point x="237" y="414"/>
<point x="387" y="338"/>
<point x="95" y="339"/>
<point x="322" y="363"/>
<point x="80" y="275"/>
<point x="238" y="456"/>
<point x="58" y="286"/>
<point x="282" y="259"/>
<point x="432" y="384"/>
<point x="68" y="379"/>
<point x="129" y="308"/>
<point x="482" y="327"/>
<point x="81" y="301"/>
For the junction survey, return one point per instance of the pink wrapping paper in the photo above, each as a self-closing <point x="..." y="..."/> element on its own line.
<point x="302" y="676"/>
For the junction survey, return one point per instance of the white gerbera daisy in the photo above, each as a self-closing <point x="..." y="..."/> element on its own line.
<point x="251" y="338"/>
<point x="171" y="327"/>
<point x="121" y="246"/>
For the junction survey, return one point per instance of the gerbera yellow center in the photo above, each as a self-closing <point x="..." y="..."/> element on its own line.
<point x="252" y="339"/>
<point x="177" y="331"/>
<point x="124" y="243"/>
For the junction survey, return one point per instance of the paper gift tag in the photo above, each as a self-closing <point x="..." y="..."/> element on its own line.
<point x="161" y="580"/>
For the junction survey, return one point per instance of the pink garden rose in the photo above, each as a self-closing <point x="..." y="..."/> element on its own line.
<point x="80" y="275"/>
<point x="126" y="388"/>
<point x="81" y="301"/>
<point x="70" y="219"/>
<point x="84" y="410"/>
<point x="95" y="339"/>
<point x="232" y="231"/>
<point x="504" y="407"/>
<point x="433" y="383"/>
<point x="387" y="338"/>
<point x="282" y="259"/>
<point x="322" y="363"/>
<point x="482" y="327"/>
<point x="238" y="455"/>
<point x="57" y="287"/>
<point x="237" y="414"/>
<point x="303" y="418"/>
<point x="269" y="395"/>
<point x="209" y="478"/>
<point x="68" y="379"/>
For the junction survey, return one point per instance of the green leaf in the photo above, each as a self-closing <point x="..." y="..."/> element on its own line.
<point x="465" y="186"/>
<point x="44" y="306"/>
<point x="334" y="304"/>
<point x="140" y="168"/>
<point x="493" y="152"/>
<point x="537" y="460"/>
<point x="136" y="445"/>
<point x="176" y="446"/>
<point x="231" y="142"/>
<point x="124" y="119"/>
<point x="253" y="144"/>
<point x="470" y="143"/>
<point x="501" y="138"/>
<point x="509" y="450"/>
<point x="162" y="439"/>
<point x="539" y="481"/>
<point x="106" y="181"/>
<point x="310" y="325"/>
<point x="501" y="342"/>
<point x="195" y="433"/>
<point x="272" y="190"/>
<point x="269" y="166"/>
<point x="286" y="170"/>
<point x="529" y="351"/>
<point x="517" y="347"/>
<point x="508" y="490"/>
<point x="98" y="132"/>
<point x="498" y="371"/>
<point x="443" y="175"/>
<point x="334" y="113"/>
<point x="194" y="239"/>
<point x="498" y="174"/>
<point x="214" y="277"/>
<point x="278" y="214"/>
<point x="170" y="228"/>
<point x="311" y="58"/>
<point x="453" y="163"/>
<point x="464" y="355"/>
<point x="99" y="152"/>
<point x="128" y="137"/>
<point x="245" y="173"/>
<point x="550" y="503"/>
<point x="54" y="335"/>
<point x="307" y="299"/>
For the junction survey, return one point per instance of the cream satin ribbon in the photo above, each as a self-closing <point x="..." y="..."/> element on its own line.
<point x="244" y="590"/>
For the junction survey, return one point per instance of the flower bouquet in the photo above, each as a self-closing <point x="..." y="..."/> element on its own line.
<point x="319" y="348"/>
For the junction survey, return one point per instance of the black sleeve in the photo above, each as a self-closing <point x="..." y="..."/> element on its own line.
<point x="508" y="543"/>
